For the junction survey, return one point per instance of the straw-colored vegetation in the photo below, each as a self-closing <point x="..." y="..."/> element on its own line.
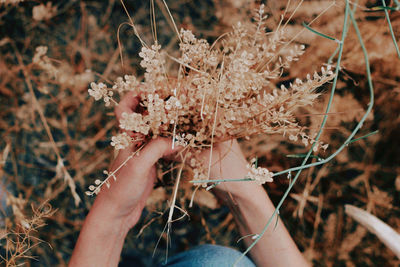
<point x="219" y="70"/>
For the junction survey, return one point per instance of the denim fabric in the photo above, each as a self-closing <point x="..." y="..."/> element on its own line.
<point x="208" y="256"/>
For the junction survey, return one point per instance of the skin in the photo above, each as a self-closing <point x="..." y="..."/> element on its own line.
<point x="118" y="208"/>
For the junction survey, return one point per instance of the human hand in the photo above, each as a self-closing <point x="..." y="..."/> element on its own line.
<point x="228" y="162"/>
<point x="135" y="175"/>
<point x="118" y="208"/>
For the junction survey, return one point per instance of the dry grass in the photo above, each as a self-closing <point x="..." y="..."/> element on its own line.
<point x="82" y="37"/>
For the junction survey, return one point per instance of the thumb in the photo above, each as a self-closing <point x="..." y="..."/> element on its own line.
<point x="154" y="150"/>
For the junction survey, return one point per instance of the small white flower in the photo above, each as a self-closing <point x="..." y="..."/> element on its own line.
<point x="98" y="91"/>
<point x="293" y="137"/>
<point x="134" y="122"/>
<point x="130" y="83"/>
<point x="121" y="141"/>
<point x="260" y="175"/>
<point x="43" y="12"/>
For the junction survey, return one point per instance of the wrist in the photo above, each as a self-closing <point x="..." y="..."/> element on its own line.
<point x="109" y="218"/>
<point x="250" y="193"/>
<point x="100" y="241"/>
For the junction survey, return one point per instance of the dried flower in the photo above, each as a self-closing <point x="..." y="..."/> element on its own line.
<point x="10" y="2"/>
<point x="43" y="12"/>
<point x="133" y="122"/>
<point x="99" y="91"/>
<point x="64" y="74"/>
<point x="121" y="141"/>
<point x="258" y="174"/>
<point x="221" y="92"/>
<point x="130" y="84"/>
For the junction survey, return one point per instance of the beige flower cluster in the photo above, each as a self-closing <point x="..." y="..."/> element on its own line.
<point x="10" y="2"/>
<point x="62" y="73"/>
<point x="44" y="12"/>
<point x="258" y="174"/>
<point x="129" y="84"/>
<point x="121" y="141"/>
<point x="221" y="91"/>
<point x="40" y="58"/>
<point x="100" y="91"/>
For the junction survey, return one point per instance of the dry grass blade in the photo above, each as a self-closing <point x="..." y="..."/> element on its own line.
<point x="85" y="40"/>
<point x="384" y="232"/>
<point x="61" y="169"/>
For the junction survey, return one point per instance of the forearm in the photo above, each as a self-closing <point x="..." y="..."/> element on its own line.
<point x="252" y="208"/>
<point x="276" y="247"/>
<point x="100" y="241"/>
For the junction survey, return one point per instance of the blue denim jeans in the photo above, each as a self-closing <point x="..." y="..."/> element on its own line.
<point x="208" y="256"/>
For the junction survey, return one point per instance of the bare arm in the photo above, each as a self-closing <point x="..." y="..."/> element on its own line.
<point x="101" y="239"/>
<point x="252" y="208"/>
<point x="118" y="208"/>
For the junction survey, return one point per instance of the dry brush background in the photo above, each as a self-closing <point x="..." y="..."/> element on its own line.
<point x="39" y="103"/>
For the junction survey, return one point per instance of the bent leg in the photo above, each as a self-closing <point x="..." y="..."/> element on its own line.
<point x="210" y="256"/>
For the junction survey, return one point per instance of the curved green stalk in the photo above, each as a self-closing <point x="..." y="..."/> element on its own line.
<point x="359" y="125"/>
<point x="364" y="136"/>
<point x="320" y="33"/>
<point x="317" y="138"/>
<point x="391" y="29"/>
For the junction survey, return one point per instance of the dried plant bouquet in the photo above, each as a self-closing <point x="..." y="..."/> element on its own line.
<point x="222" y="91"/>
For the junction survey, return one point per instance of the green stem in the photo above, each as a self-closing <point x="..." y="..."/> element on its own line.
<point x="391" y="29"/>
<point x="317" y="138"/>
<point x="364" y="136"/>
<point x="302" y="156"/>
<point x="319" y="33"/>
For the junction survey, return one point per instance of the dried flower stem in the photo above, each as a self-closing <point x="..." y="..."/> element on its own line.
<point x="391" y="29"/>
<point x="67" y="176"/>
<point x="173" y="205"/>
<point x="133" y="24"/>
<point x="215" y="122"/>
<point x="96" y="189"/>
<point x="175" y="193"/>
<point x="262" y="66"/>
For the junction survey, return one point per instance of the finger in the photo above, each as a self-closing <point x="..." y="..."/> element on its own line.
<point x="154" y="150"/>
<point x="128" y="104"/>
